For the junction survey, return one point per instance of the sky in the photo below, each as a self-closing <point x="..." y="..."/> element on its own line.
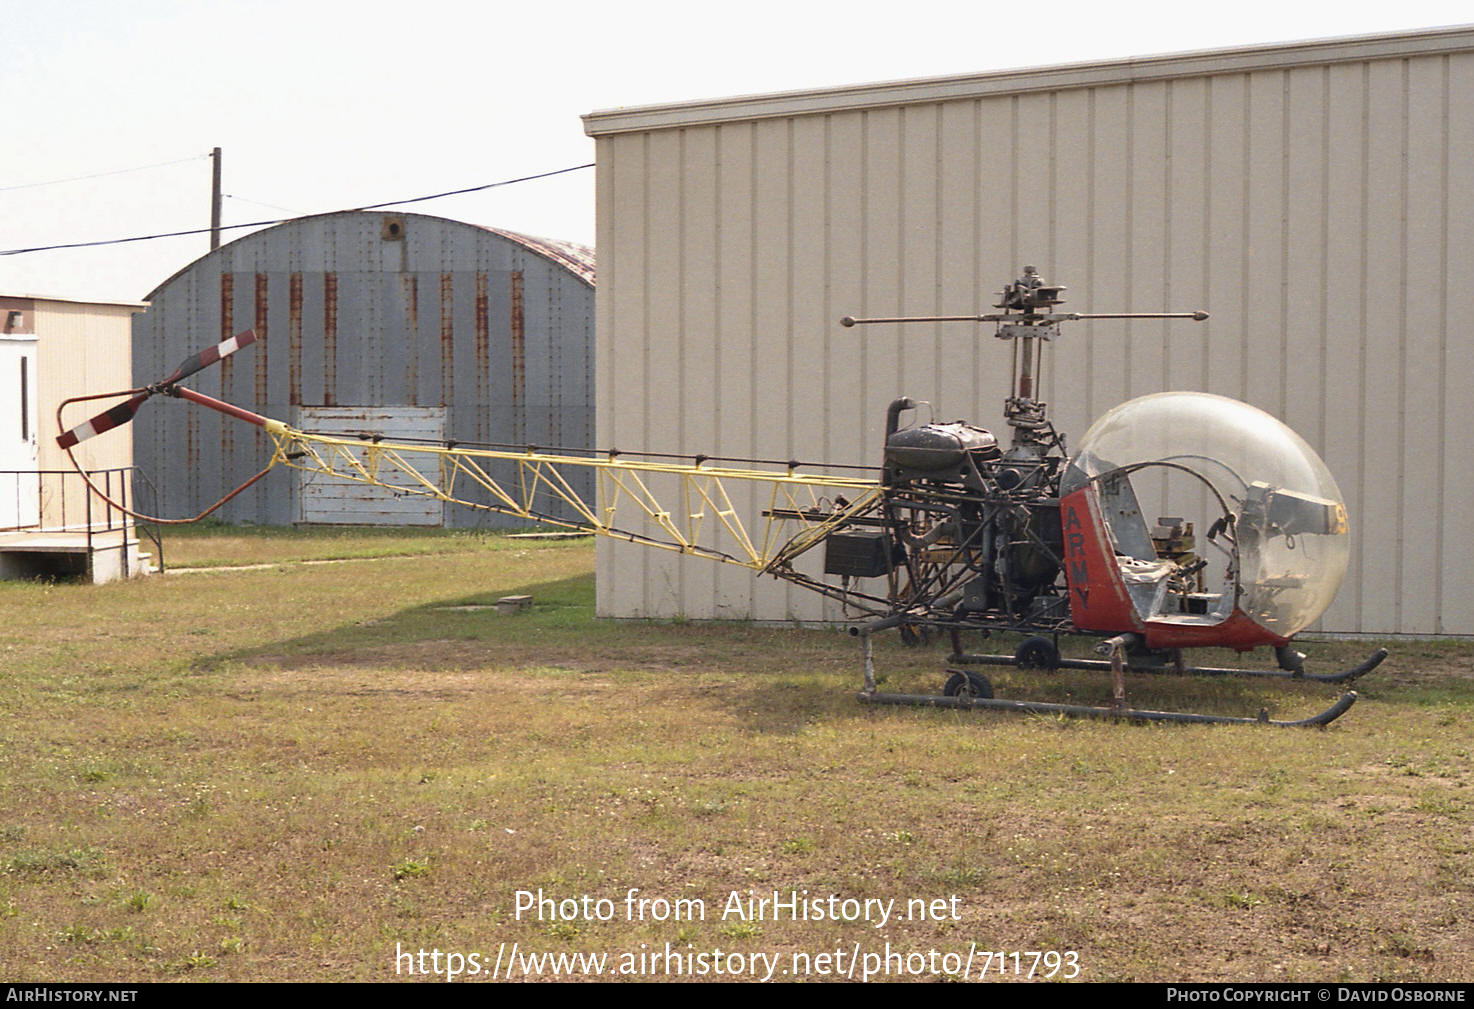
<point x="111" y="107"/>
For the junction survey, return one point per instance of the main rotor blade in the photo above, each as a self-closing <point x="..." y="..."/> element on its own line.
<point x="105" y="421"/>
<point x="210" y="355"/>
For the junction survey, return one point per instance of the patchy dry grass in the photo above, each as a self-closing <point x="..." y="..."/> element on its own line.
<point x="207" y="544"/>
<point x="292" y="772"/>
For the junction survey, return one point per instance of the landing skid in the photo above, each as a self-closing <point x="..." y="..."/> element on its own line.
<point x="1346" y="676"/>
<point x="971" y="690"/>
<point x="1326" y="717"/>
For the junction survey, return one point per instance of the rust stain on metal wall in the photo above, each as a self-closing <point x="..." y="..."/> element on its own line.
<point x="259" y="385"/>
<point x="227" y="373"/>
<point x="519" y="362"/>
<point x="227" y="325"/>
<point x="447" y="341"/>
<point x="411" y="337"/>
<point x="329" y="339"/>
<point x="294" y="340"/>
<point x="191" y="441"/>
<point x="263" y="345"/>
<point x="483" y="359"/>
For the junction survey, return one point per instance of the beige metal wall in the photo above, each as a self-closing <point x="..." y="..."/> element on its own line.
<point x="1317" y="199"/>
<point x="81" y="348"/>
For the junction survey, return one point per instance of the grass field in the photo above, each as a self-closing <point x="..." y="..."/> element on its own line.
<point x="286" y="770"/>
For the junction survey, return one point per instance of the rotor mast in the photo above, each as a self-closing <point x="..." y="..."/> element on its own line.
<point x="1028" y="321"/>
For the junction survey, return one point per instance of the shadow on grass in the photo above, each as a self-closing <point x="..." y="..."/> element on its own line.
<point x="772" y="680"/>
<point x="564" y="604"/>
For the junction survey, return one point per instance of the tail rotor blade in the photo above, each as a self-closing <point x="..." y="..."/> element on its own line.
<point x="210" y="355"/>
<point x="105" y="421"/>
<point x="121" y="414"/>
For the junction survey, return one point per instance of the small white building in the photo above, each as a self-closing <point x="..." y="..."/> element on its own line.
<point x="52" y="349"/>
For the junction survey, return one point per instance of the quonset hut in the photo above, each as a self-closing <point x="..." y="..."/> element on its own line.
<point x="379" y="324"/>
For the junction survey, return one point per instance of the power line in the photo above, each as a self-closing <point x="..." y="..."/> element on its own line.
<point x="268" y="206"/>
<point x="100" y="175"/>
<point x="283" y="220"/>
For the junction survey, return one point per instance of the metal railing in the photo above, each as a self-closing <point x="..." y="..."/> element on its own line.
<point x="59" y="501"/>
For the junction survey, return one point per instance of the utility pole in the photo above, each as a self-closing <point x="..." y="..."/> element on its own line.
<point x="215" y="200"/>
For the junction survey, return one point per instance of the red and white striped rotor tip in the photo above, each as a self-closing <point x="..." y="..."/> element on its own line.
<point x="105" y="421"/>
<point x="210" y="355"/>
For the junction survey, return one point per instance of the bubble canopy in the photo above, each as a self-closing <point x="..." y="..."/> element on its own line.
<point x="1284" y="521"/>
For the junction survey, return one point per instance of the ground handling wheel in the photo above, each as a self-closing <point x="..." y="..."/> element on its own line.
<point x="1036" y="653"/>
<point x="967" y="685"/>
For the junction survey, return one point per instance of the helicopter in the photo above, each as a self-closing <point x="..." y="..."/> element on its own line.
<point x="953" y="532"/>
<point x="1034" y="540"/>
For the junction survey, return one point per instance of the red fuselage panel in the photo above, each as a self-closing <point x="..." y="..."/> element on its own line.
<point x="1099" y="600"/>
<point x="1098" y="597"/>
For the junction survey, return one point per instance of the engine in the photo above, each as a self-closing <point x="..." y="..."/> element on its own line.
<point x="965" y="524"/>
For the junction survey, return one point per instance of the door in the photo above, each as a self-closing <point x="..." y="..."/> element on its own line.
<point x="335" y="501"/>
<point x="20" y="483"/>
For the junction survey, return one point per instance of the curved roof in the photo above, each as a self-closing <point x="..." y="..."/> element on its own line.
<point x="576" y="259"/>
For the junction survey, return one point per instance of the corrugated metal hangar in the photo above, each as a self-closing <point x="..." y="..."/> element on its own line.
<point x="1316" y="198"/>
<point x="379" y="324"/>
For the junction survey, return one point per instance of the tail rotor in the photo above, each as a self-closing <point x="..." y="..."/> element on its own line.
<point x="123" y="413"/>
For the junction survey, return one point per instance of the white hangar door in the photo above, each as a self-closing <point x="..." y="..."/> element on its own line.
<point x="20" y="490"/>
<point x="336" y="501"/>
